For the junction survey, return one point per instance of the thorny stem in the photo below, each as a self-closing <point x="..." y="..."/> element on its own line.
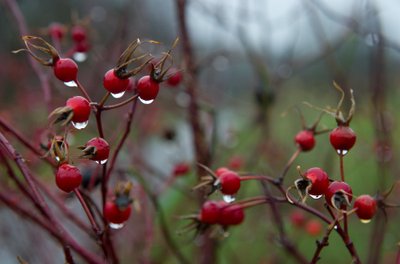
<point x="63" y="238"/>
<point x="83" y="91"/>
<point x="127" y="101"/>
<point x="27" y="143"/>
<point x="89" y="214"/>
<point x="289" y="164"/>
<point x="323" y="243"/>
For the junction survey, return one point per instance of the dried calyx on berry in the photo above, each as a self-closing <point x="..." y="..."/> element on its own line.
<point x="228" y="182"/>
<point x="76" y="110"/>
<point x="58" y="149"/>
<point x="313" y="182"/>
<point x="96" y="149"/>
<point x="339" y="195"/>
<point x="40" y="50"/>
<point x="118" y="210"/>
<point x="305" y="139"/>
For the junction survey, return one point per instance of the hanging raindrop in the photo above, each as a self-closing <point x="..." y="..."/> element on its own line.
<point x="71" y="84"/>
<point x="229" y="198"/>
<point x="81" y="125"/>
<point x="315" y="197"/>
<point x="118" y="95"/>
<point x="116" y="226"/>
<point x="102" y="161"/>
<point x="80" y="56"/>
<point x="146" y="101"/>
<point x="365" y="221"/>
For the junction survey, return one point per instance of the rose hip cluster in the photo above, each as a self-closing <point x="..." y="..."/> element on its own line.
<point x="78" y="108"/>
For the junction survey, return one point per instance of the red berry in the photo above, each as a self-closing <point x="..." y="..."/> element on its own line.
<point x="147" y="88"/>
<point x="68" y="177"/>
<point x="113" y="83"/>
<point x="342" y="138"/>
<point x="319" y="181"/>
<point x="57" y="30"/>
<point x="65" y="69"/>
<point x="366" y="207"/>
<point x="175" y="79"/>
<point x="221" y="170"/>
<point x="229" y="182"/>
<point x="335" y="187"/>
<point x="81" y="108"/>
<point x="115" y="215"/>
<point x="78" y="33"/>
<point x="181" y="168"/>
<point x="313" y="227"/>
<point x="209" y="213"/>
<point x="231" y="215"/>
<point x="297" y="218"/>
<point x="305" y="140"/>
<point x="101" y="149"/>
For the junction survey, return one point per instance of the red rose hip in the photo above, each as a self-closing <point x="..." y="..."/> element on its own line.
<point x="115" y="215"/>
<point x="80" y="108"/>
<point x="305" y="140"/>
<point x="68" y="177"/>
<point x="319" y="181"/>
<point x="342" y="139"/>
<point x="65" y="69"/>
<point x="366" y="207"/>
<point x="147" y="89"/>
<point x="114" y="84"/>
<point x="229" y="182"/>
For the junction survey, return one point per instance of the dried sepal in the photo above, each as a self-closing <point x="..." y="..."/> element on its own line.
<point x="337" y="113"/>
<point x="59" y="149"/>
<point x="62" y="115"/>
<point x="159" y="71"/>
<point x="127" y="58"/>
<point x="36" y="45"/>
<point x="208" y="182"/>
<point x="340" y="200"/>
<point x="88" y="152"/>
<point x="122" y="194"/>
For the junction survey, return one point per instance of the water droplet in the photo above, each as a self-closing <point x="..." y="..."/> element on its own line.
<point x="102" y="161"/>
<point x="80" y="56"/>
<point x="71" y="84"/>
<point x="342" y="152"/>
<point x="371" y="39"/>
<point x="57" y="158"/>
<point x="146" y="101"/>
<point x="315" y="197"/>
<point x="116" y="226"/>
<point x="335" y="227"/>
<point x="229" y="198"/>
<point x="80" y="125"/>
<point x="365" y="221"/>
<point x="118" y="95"/>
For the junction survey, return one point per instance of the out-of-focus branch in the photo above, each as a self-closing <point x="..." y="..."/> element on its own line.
<point x="23" y="30"/>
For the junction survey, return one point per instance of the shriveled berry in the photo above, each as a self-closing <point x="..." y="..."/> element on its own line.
<point x="305" y="140"/>
<point x="366" y="207"/>
<point x="80" y="107"/>
<point x="341" y="190"/>
<point x="65" y="69"/>
<point x="209" y="213"/>
<point x="175" y="79"/>
<point x="229" y="182"/>
<point x="97" y="149"/>
<point x="319" y="181"/>
<point x="147" y="88"/>
<point x="68" y="177"/>
<point x="113" y="83"/>
<point x="342" y="138"/>
<point x="116" y="215"/>
<point x="231" y="215"/>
